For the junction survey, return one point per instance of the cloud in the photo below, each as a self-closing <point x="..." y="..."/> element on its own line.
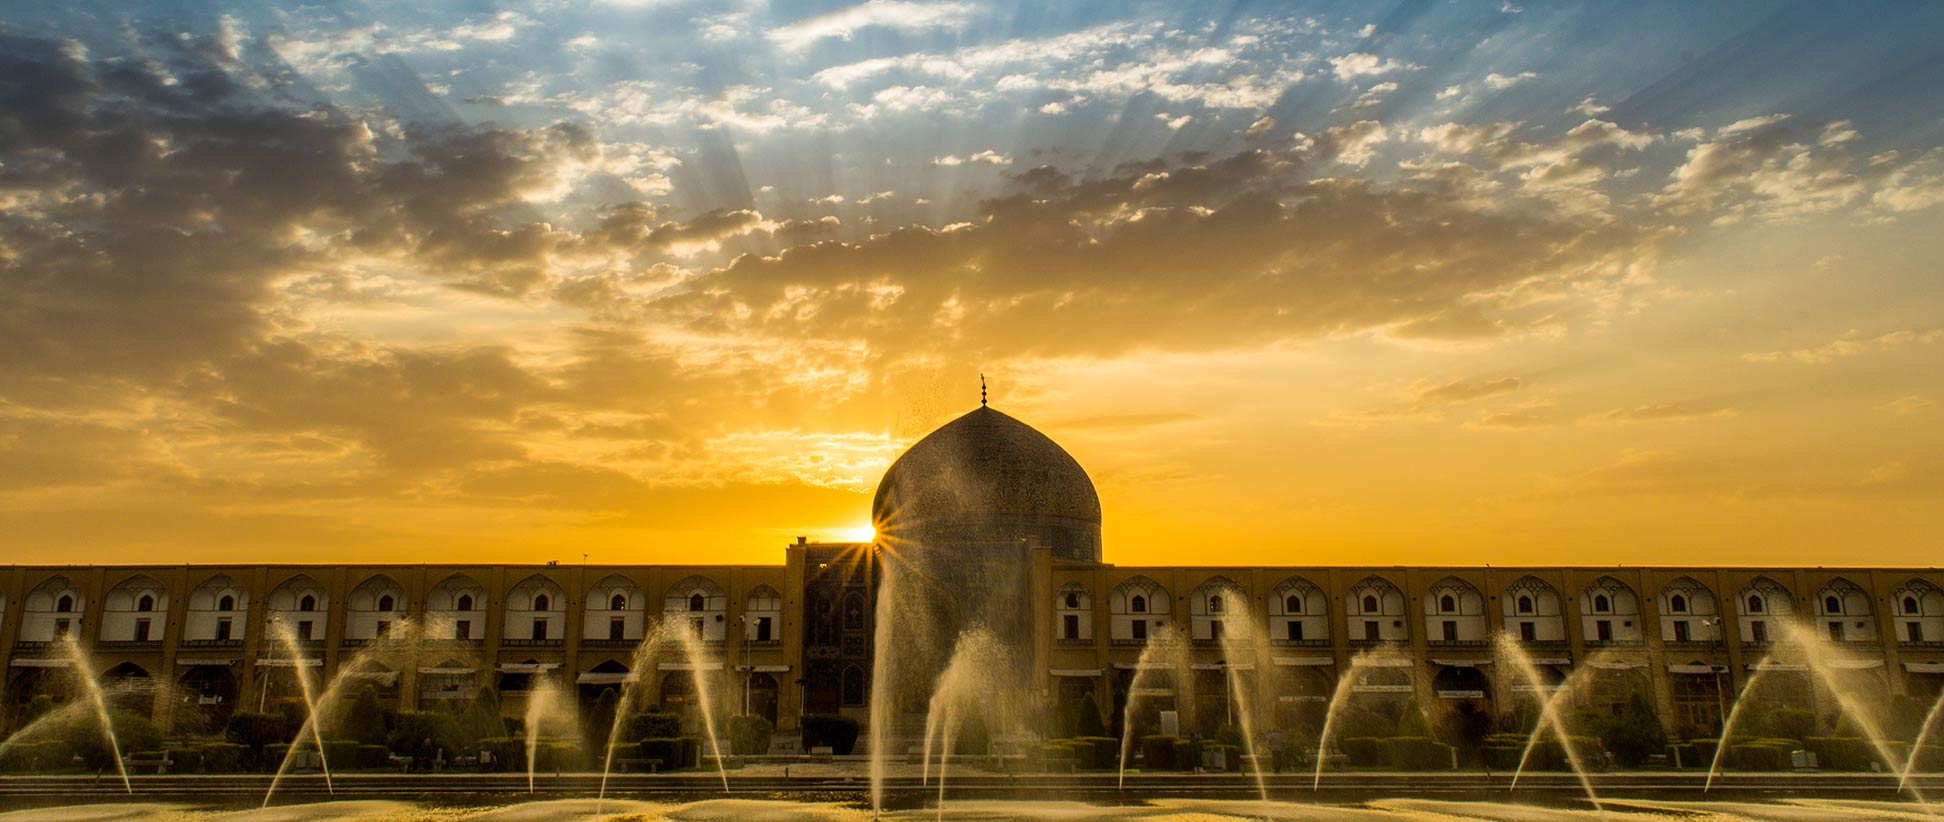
<point x="1907" y="405"/>
<point x="1500" y="82"/>
<point x="1359" y="64"/>
<point x="1766" y="168"/>
<point x="1668" y="412"/>
<point x="1351" y="145"/>
<point x="1849" y="345"/>
<point x="1466" y="390"/>
<point x="896" y="15"/>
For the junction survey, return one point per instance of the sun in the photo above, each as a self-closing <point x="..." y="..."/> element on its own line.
<point x="857" y="533"/>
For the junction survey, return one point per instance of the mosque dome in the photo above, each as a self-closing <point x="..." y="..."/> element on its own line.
<point x="986" y="477"/>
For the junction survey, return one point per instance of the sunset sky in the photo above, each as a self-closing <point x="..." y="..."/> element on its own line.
<point x="674" y="281"/>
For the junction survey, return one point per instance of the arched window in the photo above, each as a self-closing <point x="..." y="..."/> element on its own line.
<point x="227" y="603"/>
<point x="1601" y="604"/>
<point x="1072" y="600"/>
<point x="146" y="603"/>
<point x="1677" y="604"/>
<point x="618" y="603"/>
<point x="697" y="602"/>
<point x="64" y="604"/>
<point x="1293" y="604"/>
<point x="1754" y="603"/>
<point x="1910" y="605"/>
<point x="1138" y="604"/>
<point x="540" y="603"/>
<point x="1447" y="603"/>
<point x="1832" y="605"/>
<point x="1215" y="604"/>
<point x="308" y="603"/>
<point x="464" y="603"/>
<point x="386" y="602"/>
<point x="1525" y="605"/>
<point x="1370" y="604"/>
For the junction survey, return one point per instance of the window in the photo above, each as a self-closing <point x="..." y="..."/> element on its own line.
<point x="1754" y="603"/>
<point x="1677" y="603"/>
<point x="304" y="630"/>
<point x="464" y="603"/>
<point x="1914" y="631"/>
<point x="62" y="627"/>
<point x="1758" y="631"/>
<point x="618" y="603"/>
<point x="1293" y="604"/>
<point x="1215" y="629"/>
<point x="1832" y="605"/>
<point x="1601" y="604"/>
<point x="462" y="629"/>
<point x="227" y="603"/>
<point x="307" y="603"/>
<point x="223" y="629"/>
<point x="1370" y="630"/>
<point x="1910" y="605"/>
<point x="1370" y="603"/>
<point x="1215" y="604"/>
<point x="64" y="605"/>
<point x="1835" y="632"/>
<point x="698" y="603"/>
<point x="1447" y="604"/>
<point x="1139" y="627"/>
<point x="1072" y="600"/>
<point x="1450" y="631"/>
<point x="1528" y="631"/>
<point x="146" y="603"/>
<point x="382" y="628"/>
<point x="1138" y="604"/>
<point x="539" y="629"/>
<point x="1603" y="629"/>
<point x="1070" y="626"/>
<point x="617" y="628"/>
<point x="386" y="603"/>
<point x="1525" y="604"/>
<point x="1681" y="631"/>
<point x="141" y="630"/>
<point x="1295" y="630"/>
<point x="764" y="629"/>
<point x="541" y="602"/>
<point x="695" y="627"/>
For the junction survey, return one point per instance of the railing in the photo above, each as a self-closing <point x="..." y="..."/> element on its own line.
<point x="531" y="643"/>
<point x="129" y="644"/>
<point x="1613" y="643"/>
<point x="1458" y="643"/>
<point x="1920" y="643"/>
<point x="32" y="645"/>
<point x="1073" y="642"/>
<point x="456" y="643"/>
<point x="1693" y="644"/>
<point x="232" y="642"/>
<point x="1300" y="643"/>
<point x="762" y="643"/>
<point x="1128" y="643"/>
<point x="605" y="642"/>
<point x="1362" y="642"/>
<point x="1547" y="644"/>
<point x="1757" y="643"/>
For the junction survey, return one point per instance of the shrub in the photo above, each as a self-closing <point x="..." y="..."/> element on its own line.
<point x="372" y="757"/>
<point x="1090" y="725"/>
<point x="672" y="751"/>
<point x="1186" y="754"/>
<point x="1366" y="751"/>
<point x="1704" y="750"/>
<point x="1158" y="752"/>
<point x="414" y="727"/>
<point x="1500" y="757"/>
<point x="651" y="725"/>
<point x="1419" y="753"/>
<point x="600" y="721"/>
<point x="224" y="757"/>
<point x="837" y="732"/>
<point x="1633" y="735"/>
<point x="1060" y="754"/>
<point x="1841" y="753"/>
<point x="135" y="732"/>
<point x="556" y="756"/>
<point x="364" y="721"/>
<point x="1759" y="756"/>
<point x="509" y="753"/>
<point x="46" y="755"/>
<point x="1791" y="723"/>
<point x="1098" y="753"/>
<point x="185" y="760"/>
<point x="750" y="734"/>
<point x="341" y="753"/>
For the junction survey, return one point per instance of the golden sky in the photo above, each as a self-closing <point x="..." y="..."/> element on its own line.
<point x="676" y="282"/>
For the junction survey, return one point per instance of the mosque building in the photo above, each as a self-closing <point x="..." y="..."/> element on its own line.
<point x="999" y="527"/>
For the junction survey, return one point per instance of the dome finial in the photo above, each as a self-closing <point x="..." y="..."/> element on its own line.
<point x="982" y="393"/>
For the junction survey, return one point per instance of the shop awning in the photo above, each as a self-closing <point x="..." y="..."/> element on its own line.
<point x="1776" y="666"/>
<point x="1553" y="660"/>
<point x="601" y="678"/>
<point x="193" y="661"/>
<point x="1856" y="664"/>
<point x="1075" y="672"/>
<point x="1617" y="665"/>
<point x="385" y="678"/>
<point x="1380" y="662"/>
<point x="1221" y="666"/>
<point x="1305" y="660"/>
<point x="689" y="666"/>
<point x="1924" y="667"/>
<point x="1690" y="669"/>
<point x="1463" y="663"/>
<point x="527" y="667"/>
<point x="1136" y="666"/>
<point x="437" y="671"/>
<point x="42" y="662"/>
<point x="286" y="662"/>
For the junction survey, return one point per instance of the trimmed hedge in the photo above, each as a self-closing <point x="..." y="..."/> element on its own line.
<point x="833" y="730"/>
<point x="1419" y="753"/>
<point x="1704" y="750"/>
<point x="185" y="760"/>
<point x="1759" y="756"/>
<point x="24" y="757"/>
<point x="675" y="752"/>
<point x="1158" y="753"/>
<point x="1100" y="753"/>
<point x="1366" y="751"/>
<point x="341" y="753"/>
<point x="750" y="735"/>
<point x="651" y="725"/>
<point x="371" y="757"/>
<point x="225" y="757"/>
<point x="1682" y="754"/>
<point x="1841" y="753"/>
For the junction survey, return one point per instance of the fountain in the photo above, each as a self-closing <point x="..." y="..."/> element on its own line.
<point x="295" y="655"/>
<point x="1917" y="742"/>
<point x="1163" y="652"/>
<point x="1512" y="651"/>
<point x="639" y="663"/>
<point x="544" y="705"/>
<point x="691" y="643"/>
<point x="1340" y="696"/>
<point x="84" y="672"/>
<point x="1240" y="639"/>
<point x="968" y="683"/>
<point x="1728" y="723"/>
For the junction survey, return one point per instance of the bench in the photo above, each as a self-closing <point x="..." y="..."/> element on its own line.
<point x="653" y="765"/>
<point x="156" y="766"/>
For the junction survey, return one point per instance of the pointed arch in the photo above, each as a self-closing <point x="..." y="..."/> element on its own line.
<point x="1532" y="610"/>
<point x="1299" y="613"/>
<point x="52" y="610"/>
<point x="1073" y="613"/>
<point x="455" y="608"/>
<point x="1454" y="611"/>
<point x="301" y="604"/>
<point x="1609" y="612"/>
<point x="701" y="604"/>
<point x="135" y="610"/>
<point x="615" y="611"/>
<point x="1374" y="611"/>
<point x="217" y="612"/>
<point x="1137" y="609"/>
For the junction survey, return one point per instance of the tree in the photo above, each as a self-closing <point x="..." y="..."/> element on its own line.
<point x="1633" y="735"/>
<point x="364" y="721"/>
<point x="601" y="721"/>
<point x="1090" y="724"/>
<point x="1412" y="722"/>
